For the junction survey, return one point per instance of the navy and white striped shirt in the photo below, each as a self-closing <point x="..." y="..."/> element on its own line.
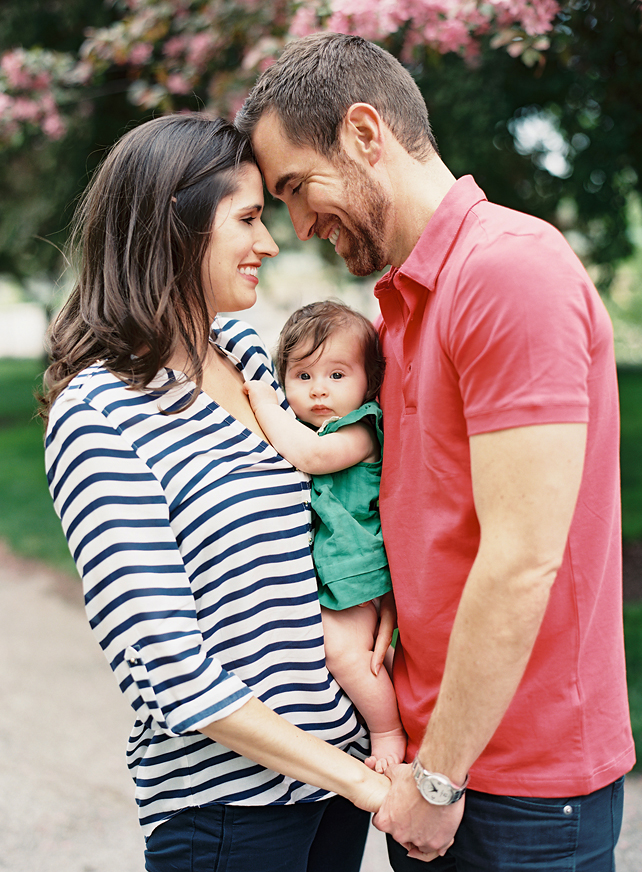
<point x="191" y="535"/>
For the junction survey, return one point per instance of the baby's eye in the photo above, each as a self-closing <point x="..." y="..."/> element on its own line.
<point x="336" y="375"/>
<point x="304" y="376"/>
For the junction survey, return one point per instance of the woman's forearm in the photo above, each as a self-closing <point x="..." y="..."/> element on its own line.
<point x="256" y="732"/>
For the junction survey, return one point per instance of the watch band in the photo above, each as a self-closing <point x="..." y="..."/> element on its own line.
<point x="436" y="788"/>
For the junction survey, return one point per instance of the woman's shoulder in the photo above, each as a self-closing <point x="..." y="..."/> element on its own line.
<point x="235" y="332"/>
<point x="241" y="339"/>
<point x="90" y="381"/>
<point x="98" y="388"/>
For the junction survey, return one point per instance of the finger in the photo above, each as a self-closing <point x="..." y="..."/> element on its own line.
<point x="385" y="630"/>
<point x="381" y="821"/>
<point x="443" y="850"/>
<point x="382" y="643"/>
<point x="416" y="854"/>
<point x="370" y="762"/>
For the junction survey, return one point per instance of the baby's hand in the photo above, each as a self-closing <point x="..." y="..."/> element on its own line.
<point x="260" y="392"/>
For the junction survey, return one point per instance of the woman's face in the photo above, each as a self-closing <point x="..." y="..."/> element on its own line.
<point x="238" y="243"/>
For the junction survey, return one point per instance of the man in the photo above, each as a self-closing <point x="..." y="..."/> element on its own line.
<point x="500" y="488"/>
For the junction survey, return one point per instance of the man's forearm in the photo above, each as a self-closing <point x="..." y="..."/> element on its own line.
<point x="525" y="484"/>
<point x="491" y="642"/>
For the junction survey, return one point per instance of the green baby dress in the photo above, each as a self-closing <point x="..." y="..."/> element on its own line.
<point x="349" y="555"/>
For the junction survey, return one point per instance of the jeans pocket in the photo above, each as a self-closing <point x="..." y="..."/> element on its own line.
<point x="509" y="833"/>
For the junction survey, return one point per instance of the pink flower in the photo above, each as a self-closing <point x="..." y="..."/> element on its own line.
<point x="140" y="53"/>
<point x="452" y="35"/>
<point x="25" y="109"/>
<point x="200" y="48"/>
<point x="304" y="21"/>
<point x="447" y="25"/>
<point x="41" y="80"/>
<point x="177" y="84"/>
<point x="12" y="65"/>
<point x="53" y="127"/>
<point x="174" y="46"/>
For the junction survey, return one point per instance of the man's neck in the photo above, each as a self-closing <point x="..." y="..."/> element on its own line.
<point x="418" y="190"/>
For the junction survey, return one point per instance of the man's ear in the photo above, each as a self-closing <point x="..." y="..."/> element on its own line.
<point x="362" y="133"/>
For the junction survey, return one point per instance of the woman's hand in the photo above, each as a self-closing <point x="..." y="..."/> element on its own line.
<point x="372" y="794"/>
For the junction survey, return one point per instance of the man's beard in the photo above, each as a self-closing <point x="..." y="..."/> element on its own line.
<point x="364" y="246"/>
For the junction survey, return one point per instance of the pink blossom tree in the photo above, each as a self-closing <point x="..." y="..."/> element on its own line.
<point x="491" y="70"/>
<point x="168" y="51"/>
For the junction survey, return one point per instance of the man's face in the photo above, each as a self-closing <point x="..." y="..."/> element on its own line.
<point x="335" y="198"/>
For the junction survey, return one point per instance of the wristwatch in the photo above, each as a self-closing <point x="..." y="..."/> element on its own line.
<point x="435" y="788"/>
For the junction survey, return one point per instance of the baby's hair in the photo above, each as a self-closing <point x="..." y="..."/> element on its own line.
<point x="311" y="325"/>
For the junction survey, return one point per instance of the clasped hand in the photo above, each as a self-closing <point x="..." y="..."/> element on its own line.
<point x="425" y="830"/>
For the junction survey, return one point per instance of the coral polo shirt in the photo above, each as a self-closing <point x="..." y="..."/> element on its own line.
<point x="493" y="323"/>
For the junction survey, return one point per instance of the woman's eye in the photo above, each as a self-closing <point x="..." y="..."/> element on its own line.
<point x="249" y="220"/>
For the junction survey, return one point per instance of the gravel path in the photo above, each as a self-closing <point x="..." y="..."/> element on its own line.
<point x="66" y="800"/>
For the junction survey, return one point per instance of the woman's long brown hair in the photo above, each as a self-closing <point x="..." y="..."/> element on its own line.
<point x="140" y="235"/>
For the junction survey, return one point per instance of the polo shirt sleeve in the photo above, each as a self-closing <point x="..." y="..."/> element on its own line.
<point x="137" y="593"/>
<point x="520" y="332"/>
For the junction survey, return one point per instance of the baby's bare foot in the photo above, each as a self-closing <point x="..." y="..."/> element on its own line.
<point x="388" y="748"/>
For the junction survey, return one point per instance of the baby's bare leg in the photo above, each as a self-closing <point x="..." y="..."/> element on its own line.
<point x="349" y="640"/>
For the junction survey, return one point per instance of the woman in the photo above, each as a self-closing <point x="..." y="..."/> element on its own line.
<point x="190" y="532"/>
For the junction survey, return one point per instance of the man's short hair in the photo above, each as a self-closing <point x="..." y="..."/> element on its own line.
<point x="316" y="80"/>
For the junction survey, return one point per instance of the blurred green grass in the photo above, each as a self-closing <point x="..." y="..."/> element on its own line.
<point x="630" y="383"/>
<point x="28" y="522"/>
<point x="30" y="526"/>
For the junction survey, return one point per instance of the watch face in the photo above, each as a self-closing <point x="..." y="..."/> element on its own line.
<point x="435" y="790"/>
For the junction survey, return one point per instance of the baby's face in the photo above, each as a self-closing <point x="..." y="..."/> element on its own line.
<point x="329" y="383"/>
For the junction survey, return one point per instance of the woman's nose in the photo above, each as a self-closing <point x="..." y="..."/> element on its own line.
<point x="265" y="246"/>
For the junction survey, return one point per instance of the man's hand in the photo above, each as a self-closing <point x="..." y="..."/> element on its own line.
<point x="425" y="830"/>
<point x="260" y="392"/>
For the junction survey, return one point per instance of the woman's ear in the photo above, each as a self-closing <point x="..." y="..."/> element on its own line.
<point x="362" y="133"/>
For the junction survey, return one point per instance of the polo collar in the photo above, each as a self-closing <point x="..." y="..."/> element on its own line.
<point x="427" y="258"/>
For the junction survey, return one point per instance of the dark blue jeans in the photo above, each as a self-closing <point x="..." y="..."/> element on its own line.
<point x="326" y="836"/>
<point x="520" y="834"/>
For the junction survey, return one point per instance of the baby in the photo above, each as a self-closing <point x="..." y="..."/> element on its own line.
<point x="330" y="364"/>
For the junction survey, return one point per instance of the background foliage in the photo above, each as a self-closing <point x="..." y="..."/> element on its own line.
<point x="540" y="100"/>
